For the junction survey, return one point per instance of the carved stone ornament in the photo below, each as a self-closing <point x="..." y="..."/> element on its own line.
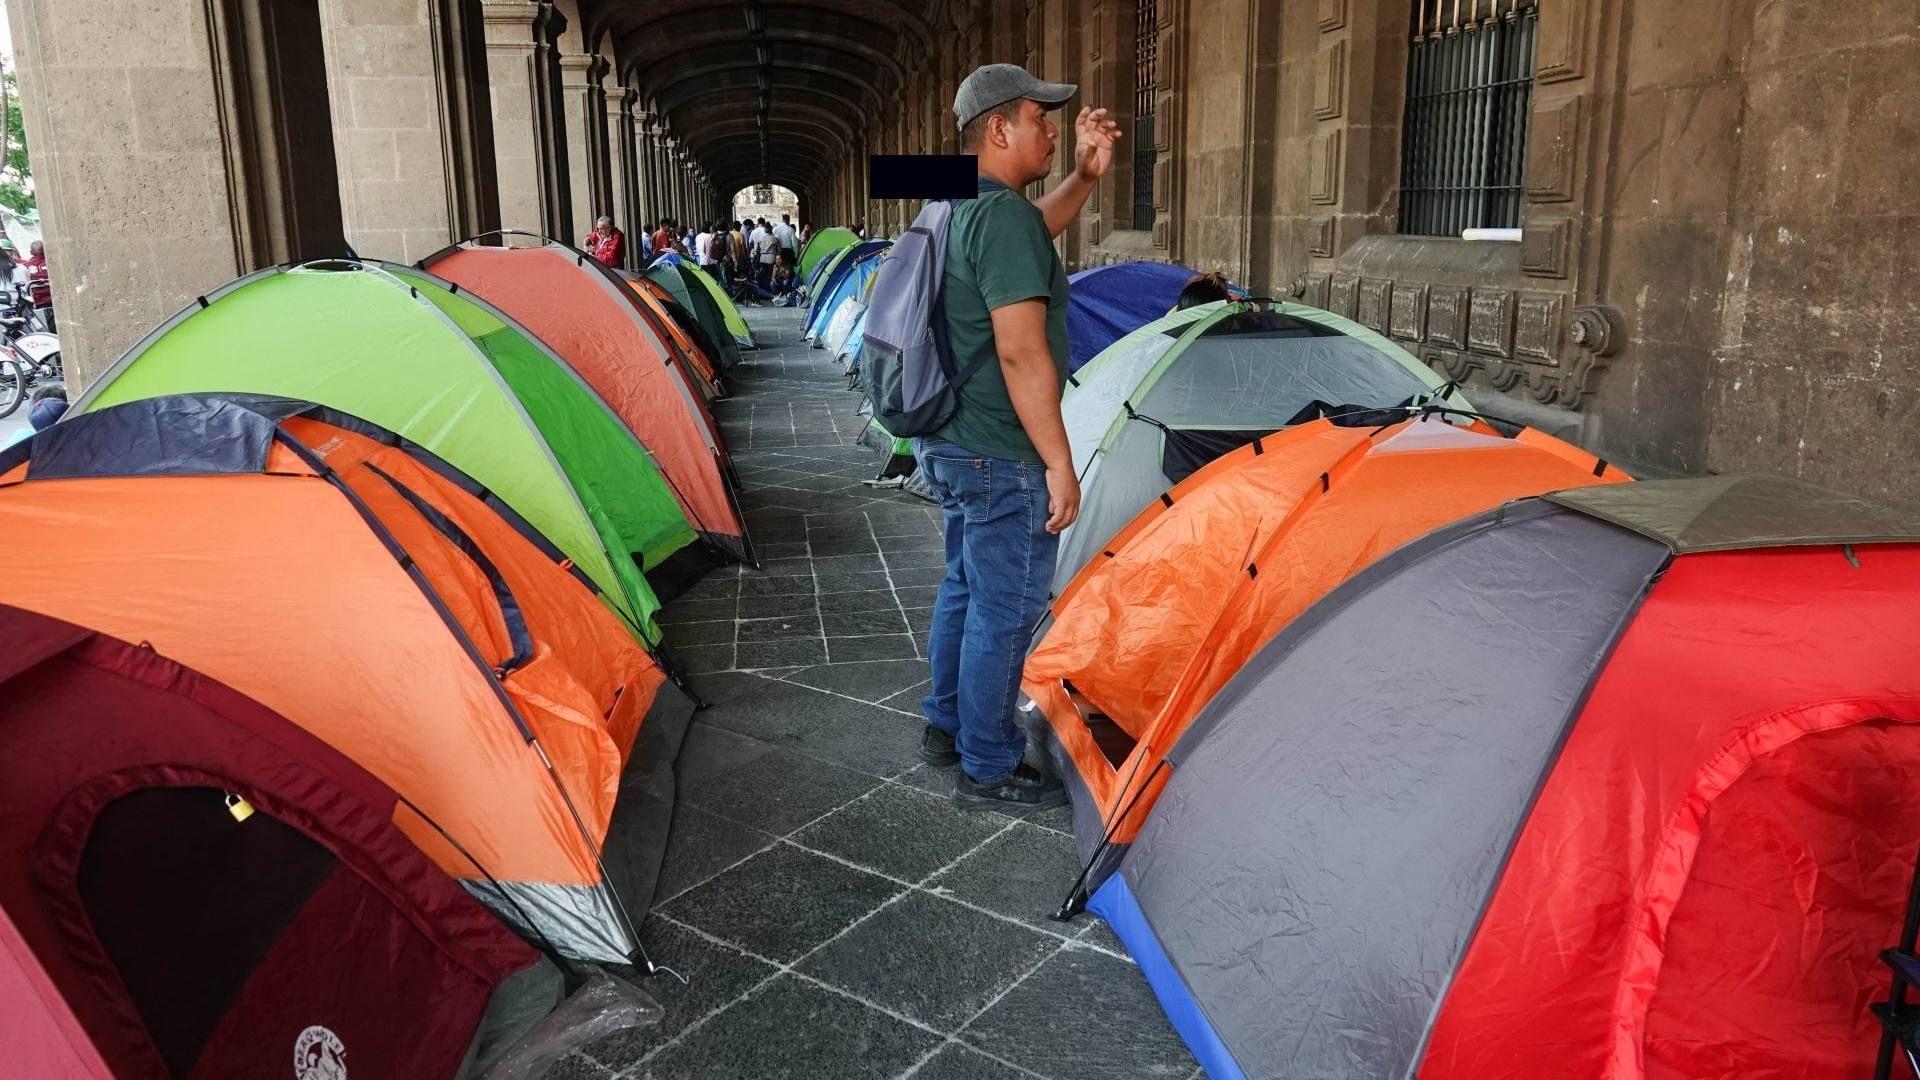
<point x="1524" y="343"/>
<point x="1598" y="328"/>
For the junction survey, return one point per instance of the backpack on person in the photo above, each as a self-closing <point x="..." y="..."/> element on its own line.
<point x="911" y="376"/>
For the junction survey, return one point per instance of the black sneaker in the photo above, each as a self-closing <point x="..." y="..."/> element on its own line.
<point x="1023" y="789"/>
<point x="936" y="748"/>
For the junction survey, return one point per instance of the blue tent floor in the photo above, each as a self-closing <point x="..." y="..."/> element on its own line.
<point x="836" y="916"/>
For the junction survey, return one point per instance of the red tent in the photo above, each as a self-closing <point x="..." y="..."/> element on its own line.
<point x="192" y="886"/>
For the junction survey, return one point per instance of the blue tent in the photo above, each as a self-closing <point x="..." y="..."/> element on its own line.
<point x="856" y="342"/>
<point x="846" y="280"/>
<point x="1110" y="302"/>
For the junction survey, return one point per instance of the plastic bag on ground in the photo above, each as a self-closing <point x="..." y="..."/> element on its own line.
<point x="604" y="1005"/>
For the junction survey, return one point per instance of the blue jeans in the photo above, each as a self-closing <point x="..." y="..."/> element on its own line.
<point x="999" y="565"/>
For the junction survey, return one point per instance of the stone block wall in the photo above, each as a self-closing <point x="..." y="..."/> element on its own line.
<point x="124" y="120"/>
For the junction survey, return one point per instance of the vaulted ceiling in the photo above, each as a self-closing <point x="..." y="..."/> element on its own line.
<point x="767" y="91"/>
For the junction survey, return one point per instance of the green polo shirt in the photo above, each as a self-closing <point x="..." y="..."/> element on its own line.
<point x="998" y="253"/>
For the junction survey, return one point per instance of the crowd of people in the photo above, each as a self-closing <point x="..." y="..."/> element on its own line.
<point x="757" y="260"/>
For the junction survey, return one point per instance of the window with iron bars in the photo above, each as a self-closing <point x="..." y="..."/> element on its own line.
<point x="1464" y="138"/>
<point x="1146" y="84"/>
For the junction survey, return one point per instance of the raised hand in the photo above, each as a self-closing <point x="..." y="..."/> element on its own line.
<point x="1094" y="136"/>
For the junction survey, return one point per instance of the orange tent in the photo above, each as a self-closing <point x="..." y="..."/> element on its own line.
<point x="1144" y="636"/>
<point x="686" y="325"/>
<point x="585" y="313"/>
<point x="653" y="301"/>
<point x="341" y="582"/>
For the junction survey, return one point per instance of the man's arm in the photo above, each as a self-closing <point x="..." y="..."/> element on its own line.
<point x="1094" y="136"/>
<point x="1033" y="385"/>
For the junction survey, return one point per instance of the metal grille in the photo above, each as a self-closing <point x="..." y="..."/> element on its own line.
<point x="1469" y="87"/>
<point x="1146" y="86"/>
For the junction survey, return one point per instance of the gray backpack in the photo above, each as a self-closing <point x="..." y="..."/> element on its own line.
<point x="910" y="374"/>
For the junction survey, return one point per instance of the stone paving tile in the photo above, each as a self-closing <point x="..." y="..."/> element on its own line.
<point x="782" y="628"/>
<point x="872" y="681"/>
<point x="710" y="751"/>
<point x="842" y="650"/>
<point x="767" y="654"/>
<point x="899" y="832"/>
<point x="930" y="959"/>
<point x="862" y="623"/>
<point x="782" y="902"/>
<point x="777" y="791"/>
<point x="683" y="635"/>
<point x="792" y="1029"/>
<point x="700" y="659"/>
<point x="1116" y="1032"/>
<point x="1023" y="873"/>
<point x="956" y="1061"/>
<point x="700" y="845"/>
<point x="867" y="600"/>
<point x="826" y="726"/>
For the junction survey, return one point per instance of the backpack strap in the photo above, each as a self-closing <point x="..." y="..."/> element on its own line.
<point x="957" y="373"/>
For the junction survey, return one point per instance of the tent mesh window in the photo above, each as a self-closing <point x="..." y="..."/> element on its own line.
<point x="172" y="883"/>
<point x="1146" y="84"/>
<point x="1464" y="139"/>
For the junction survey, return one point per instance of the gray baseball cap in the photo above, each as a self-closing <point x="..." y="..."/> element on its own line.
<point x="996" y="84"/>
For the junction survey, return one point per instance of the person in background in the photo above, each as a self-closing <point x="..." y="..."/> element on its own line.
<point x="1001" y="467"/>
<point x="9" y="262"/>
<point x="760" y="247"/>
<point x="40" y="284"/>
<point x="47" y="409"/>
<point x="806" y="234"/>
<point x="646" y="242"/>
<point x="703" y="248"/>
<point x="1202" y="289"/>
<point x="607" y="244"/>
<point x="784" y="280"/>
<point x="784" y="236"/>
<point x="662" y="238"/>
<point x="740" y="249"/>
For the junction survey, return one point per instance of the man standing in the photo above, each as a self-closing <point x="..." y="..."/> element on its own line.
<point x="663" y="237"/>
<point x="1001" y="467"/>
<point x="785" y="238"/>
<point x="703" y="248"/>
<point x="761" y="245"/>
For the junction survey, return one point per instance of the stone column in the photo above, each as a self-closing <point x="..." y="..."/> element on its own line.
<point x="519" y="65"/>
<point x="627" y="143"/>
<point x="412" y="127"/>
<point x="618" y="191"/>
<point x="585" y="117"/>
<point x="136" y="176"/>
<point x="649" y="198"/>
<point x="670" y="176"/>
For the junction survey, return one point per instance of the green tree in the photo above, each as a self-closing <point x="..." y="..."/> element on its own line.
<point x="16" y="173"/>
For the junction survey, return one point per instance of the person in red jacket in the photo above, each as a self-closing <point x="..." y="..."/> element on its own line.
<point x="606" y="243"/>
<point x="39" y="283"/>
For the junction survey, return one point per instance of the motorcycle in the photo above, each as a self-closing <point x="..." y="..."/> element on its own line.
<point x="29" y="356"/>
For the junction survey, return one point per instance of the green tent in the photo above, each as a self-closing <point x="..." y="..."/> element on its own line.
<point x="402" y="349"/>
<point x="686" y="285"/>
<point x="824" y="243"/>
<point x="827" y="266"/>
<point x="729" y="311"/>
